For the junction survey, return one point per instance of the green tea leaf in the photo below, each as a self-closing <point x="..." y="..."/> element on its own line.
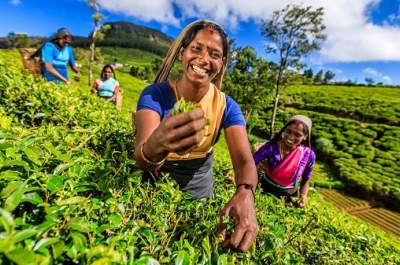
<point x="79" y="224"/>
<point x="79" y="241"/>
<point x="55" y="183"/>
<point x="115" y="219"/>
<point x="146" y="260"/>
<point x="24" y="234"/>
<point x="102" y="261"/>
<point x="58" y="249"/>
<point x="6" y="218"/>
<point x="15" y="198"/>
<point x="10" y="175"/>
<point x="72" y="200"/>
<point x="34" y="154"/>
<point x="44" y="242"/>
<point x="33" y="198"/>
<point x="15" y="163"/>
<point x="22" y="256"/>
<point x="10" y="188"/>
<point x="182" y="258"/>
<point x="60" y="168"/>
<point x="6" y="245"/>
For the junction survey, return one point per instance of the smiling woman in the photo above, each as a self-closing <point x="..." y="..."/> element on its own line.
<point x="182" y="144"/>
<point x="287" y="160"/>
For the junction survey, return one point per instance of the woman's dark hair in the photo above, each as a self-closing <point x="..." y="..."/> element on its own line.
<point x="104" y="69"/>
<point x="306" y="142"/>
<point x="191" y="34"/>
<point x="61" y="33"/>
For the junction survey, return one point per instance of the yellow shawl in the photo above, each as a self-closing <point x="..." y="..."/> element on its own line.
<point x="213" y="104"/>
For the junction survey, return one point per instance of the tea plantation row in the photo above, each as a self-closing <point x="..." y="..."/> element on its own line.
<point x="71" y="194"/>
<point x="365" y="155"/>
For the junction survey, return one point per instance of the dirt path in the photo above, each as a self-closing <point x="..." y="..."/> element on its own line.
<point x="385" y="219"/>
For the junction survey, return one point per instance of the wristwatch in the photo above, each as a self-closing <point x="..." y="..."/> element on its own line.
<point x="247" y="187"/>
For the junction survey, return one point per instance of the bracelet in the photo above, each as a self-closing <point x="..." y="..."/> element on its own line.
<point x="247" y="187"/>
<point x="147" y="160"/>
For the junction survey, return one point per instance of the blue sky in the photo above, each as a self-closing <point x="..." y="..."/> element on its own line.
<point x="363" y="35"/>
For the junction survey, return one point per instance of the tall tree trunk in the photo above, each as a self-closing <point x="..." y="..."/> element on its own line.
<point x="277" y="95"/>
<point x="92" y="51"/>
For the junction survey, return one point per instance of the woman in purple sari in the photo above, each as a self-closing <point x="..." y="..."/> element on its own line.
<point x="287" y="161"/>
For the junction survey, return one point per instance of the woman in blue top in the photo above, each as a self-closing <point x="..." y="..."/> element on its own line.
<point x="182" y="145"/>
<point x="108" y="87"/>
<point x="56" y="55"/>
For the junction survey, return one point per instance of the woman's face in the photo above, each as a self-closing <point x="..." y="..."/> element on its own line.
<point x="202" y="59"/>
<point x="293" y="135"/>
<point x="108" y="73"/>
<point x="66" y="40"/>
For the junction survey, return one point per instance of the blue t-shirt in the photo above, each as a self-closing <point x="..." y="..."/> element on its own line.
<point x="58" y="57"/>
<point x="160" y="98"/>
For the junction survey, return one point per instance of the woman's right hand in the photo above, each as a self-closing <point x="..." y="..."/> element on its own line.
<point x="178" y="134"/>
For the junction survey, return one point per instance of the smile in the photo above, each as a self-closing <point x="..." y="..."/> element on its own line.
<point x="199" y="70"/>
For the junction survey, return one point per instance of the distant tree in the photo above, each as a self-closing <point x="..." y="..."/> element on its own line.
<point x="308" y="73"/>
<point x="97" y="34"/>
<point x="155" y="64"/>
<point x="249" y="79"/>
<point x="318" y="78"/>
<point x="292" y="32"/>
<point x="307" y="76"/>
<point x="369" y="81"/>
<point x="134" y="71"/>
<point x="18" y="40"/>
<point x="328" y="76"/>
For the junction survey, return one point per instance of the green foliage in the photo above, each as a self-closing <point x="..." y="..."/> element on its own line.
<point x="249" y="75"/>
<point x="71" y="194"/>
<point x="292" y="33"/>
<point x="182" y="106"/>
<point x="378" y="105"/>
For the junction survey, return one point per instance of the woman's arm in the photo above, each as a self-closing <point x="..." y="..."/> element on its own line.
<point x="49" y="67"/>
<point x="241" y="205"/>
<point x="263" y="152"/>
<point x="95" y="86"/>
<point x="156" y="138"/>
<point x="305" y="180"/>
<point x="305" y="186"/>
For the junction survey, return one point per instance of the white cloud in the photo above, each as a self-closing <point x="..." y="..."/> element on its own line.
<point x="352" y="37"/>
<point x="155" y="10"/>
<point x="15" y="2"/>
<point x="386" y="79"/>
<point x="371" y="72"/>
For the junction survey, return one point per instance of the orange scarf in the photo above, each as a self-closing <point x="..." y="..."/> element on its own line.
<point x="213" y="104"/>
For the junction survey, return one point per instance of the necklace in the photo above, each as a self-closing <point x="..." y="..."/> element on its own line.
<point x="176" y="90"/>
<point x="281" y="150"/>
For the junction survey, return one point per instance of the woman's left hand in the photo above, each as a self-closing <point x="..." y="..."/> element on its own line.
<point x="301" y="202"/>
<point x="241" y="209"/>
<point x="112" y="98"/>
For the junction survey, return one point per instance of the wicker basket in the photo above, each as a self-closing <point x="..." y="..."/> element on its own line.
<point x="31" y="63"/>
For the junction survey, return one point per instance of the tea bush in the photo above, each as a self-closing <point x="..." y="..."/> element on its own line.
<point x="71" y="194"/>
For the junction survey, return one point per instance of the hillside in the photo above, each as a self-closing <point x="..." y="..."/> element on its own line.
<point x="70" y="193"/>
<point x="128" y="35"/>
<point x="121" y="34"/>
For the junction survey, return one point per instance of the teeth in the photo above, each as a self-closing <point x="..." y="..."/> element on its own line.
<point x="199" y="69"/>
